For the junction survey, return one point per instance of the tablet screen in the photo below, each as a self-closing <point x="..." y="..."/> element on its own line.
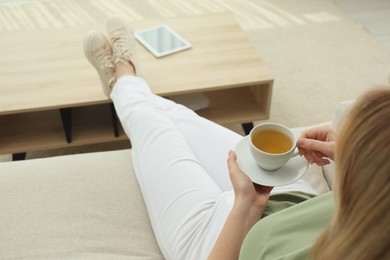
<point x="161" y="40"/>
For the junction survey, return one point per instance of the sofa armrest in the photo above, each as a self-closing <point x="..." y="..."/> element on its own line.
<point x="321" y="178"/>
<point x="341" y="110"/>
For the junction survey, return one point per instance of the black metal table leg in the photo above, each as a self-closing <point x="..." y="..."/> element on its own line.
<point x="114" y="120"/>
<point x="247" y="127"/>
<point x="66" y="116"/>
<point x="18" y="156"/>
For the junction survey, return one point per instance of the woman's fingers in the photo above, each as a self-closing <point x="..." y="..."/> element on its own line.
<point x="325" y="149"/>
<point x="314" y="156"/>
<point x="232" y="163"/>
<point x="237" y="177"/>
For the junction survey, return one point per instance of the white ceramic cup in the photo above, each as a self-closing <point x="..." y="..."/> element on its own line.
<point x="272" y="161"/>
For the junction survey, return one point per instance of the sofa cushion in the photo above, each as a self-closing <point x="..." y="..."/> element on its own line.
<point x="86" y="206"/>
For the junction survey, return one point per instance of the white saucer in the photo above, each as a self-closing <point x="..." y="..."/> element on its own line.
<point x="292" y="171"/>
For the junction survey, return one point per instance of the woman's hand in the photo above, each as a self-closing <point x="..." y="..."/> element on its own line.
<point x="249" y="204"/>
<point x="248" y="195"/>
<point x="317" y="145"/>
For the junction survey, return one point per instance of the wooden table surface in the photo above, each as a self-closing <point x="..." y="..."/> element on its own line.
<point x="46" y="69"/>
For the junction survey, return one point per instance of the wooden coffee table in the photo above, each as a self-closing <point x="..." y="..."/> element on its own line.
<point x="50" y="96"/>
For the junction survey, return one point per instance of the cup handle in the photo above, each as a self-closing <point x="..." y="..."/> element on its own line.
<point x="296" y="152"/>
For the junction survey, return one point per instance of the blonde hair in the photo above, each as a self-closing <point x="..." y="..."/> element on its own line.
<point x="360" y="228"/>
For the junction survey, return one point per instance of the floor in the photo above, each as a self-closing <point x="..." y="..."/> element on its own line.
<point x="373" y="15"/>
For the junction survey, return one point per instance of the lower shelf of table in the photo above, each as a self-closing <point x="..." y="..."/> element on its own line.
<point x="36" y="131"/>
<point x="238" y="105"/>
<point x="44" y="130"/>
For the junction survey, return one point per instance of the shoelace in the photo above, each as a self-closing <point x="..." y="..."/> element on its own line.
<point x="120" y="47"/>
<point x="104" y="56"/>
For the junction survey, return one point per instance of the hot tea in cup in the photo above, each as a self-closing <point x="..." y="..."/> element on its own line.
<point x="271" y="145"/>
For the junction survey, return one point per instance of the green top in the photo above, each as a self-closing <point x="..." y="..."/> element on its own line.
<point x="291" y="230"/>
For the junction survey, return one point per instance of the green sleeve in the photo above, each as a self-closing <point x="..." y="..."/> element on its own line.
<point x="291" y="232"/>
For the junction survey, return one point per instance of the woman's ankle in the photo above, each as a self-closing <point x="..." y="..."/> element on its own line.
<point x="124" y="69"/>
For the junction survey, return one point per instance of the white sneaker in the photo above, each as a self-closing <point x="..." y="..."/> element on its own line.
<point x="98" y="51"/>
<point x="122" y="42"/>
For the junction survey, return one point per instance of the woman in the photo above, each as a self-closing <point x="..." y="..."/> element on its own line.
<point x="360" y="228"/>
<point x="179" y="159"/>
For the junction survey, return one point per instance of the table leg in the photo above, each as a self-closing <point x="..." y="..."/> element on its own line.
<point x="247" y="127"/>
<point x="114" y="120"/>
<point x="18" y="156"/>
<point x="66" y="116"/>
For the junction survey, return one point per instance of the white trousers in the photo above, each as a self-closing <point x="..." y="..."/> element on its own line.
<point x="180" y="161"/>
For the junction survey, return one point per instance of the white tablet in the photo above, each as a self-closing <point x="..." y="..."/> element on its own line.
<point x="161" y="40"/>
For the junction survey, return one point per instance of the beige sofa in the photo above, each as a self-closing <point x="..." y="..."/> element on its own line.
<point x="85" y="206"/>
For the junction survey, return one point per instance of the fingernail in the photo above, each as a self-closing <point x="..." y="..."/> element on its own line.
<point x="300" y="142"/>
